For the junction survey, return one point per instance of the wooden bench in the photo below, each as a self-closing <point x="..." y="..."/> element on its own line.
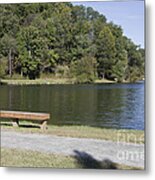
<point x="15" y="116"/>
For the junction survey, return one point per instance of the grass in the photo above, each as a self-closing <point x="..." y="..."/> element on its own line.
<point x="124" y="135"/>
<point x="48" y="80"/>
<point x="26" y="158"/>
<point x="37" y="81"/>
<point x="104" y="81"/>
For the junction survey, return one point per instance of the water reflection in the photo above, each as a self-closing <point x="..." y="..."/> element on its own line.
<point x="113" y="106"/>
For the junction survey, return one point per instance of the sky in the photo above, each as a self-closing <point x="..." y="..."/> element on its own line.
<point x="128" y="14"/>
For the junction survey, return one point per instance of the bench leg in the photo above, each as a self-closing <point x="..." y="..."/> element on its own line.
<point x="15" y="122"/>
<point x="43" y="125"/>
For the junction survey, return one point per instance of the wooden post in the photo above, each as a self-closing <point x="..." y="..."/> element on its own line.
<point x="15" y="122"/>
<point x="44" y="125"/>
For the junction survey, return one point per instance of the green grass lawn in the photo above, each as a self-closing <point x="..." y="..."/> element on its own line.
<point x="25" y="158"/>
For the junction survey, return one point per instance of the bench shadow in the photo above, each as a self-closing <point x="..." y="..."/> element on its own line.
<point x="29" y="126"/>
<point x="86" y="161"/>
<point x="5" y="124"/>
<point x="20" y="125"/>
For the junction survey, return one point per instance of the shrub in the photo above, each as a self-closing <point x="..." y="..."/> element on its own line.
<point x="62" y="71"/>
<point x="3" y="67"/>
<point x="84" y="70"/>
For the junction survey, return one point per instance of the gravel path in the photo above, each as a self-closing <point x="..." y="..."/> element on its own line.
<point x="125" y="153"/>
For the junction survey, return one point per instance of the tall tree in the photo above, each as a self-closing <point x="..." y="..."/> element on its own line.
<point x="29" y="51"/>
<point x="9" y="49"/>
<point x="105" y="52"/>
<point x="121" y="57"/>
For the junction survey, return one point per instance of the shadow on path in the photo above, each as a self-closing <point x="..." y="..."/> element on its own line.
<point x="85" y="160"/>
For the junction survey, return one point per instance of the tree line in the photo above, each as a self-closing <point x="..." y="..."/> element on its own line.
<point x="63" y="40"/>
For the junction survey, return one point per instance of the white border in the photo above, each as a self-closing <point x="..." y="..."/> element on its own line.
<point x="45" y="174"/>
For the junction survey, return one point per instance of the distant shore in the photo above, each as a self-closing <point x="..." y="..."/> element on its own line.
<point x="47" y="81"/>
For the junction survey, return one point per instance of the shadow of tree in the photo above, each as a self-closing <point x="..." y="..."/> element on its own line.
<point x="85" y="160"/>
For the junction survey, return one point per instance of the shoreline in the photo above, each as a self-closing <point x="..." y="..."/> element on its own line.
<point x="50" y="81"/>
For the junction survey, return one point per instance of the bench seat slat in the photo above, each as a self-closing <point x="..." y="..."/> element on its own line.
<point x="24" y="115"/>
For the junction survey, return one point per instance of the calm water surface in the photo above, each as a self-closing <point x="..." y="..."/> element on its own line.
<point x="101" y="105"/>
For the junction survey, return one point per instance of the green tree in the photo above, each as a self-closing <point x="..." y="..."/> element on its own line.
<point x="135" y="70"/>
<point x="105" y="52"/>
<point x="29" y="51"/>
<point x="120" y="66"/>
<point x="121" y="56"/>
<point x="2" y="67"/>
<point x="84" y="70"/>
<point x="9" y="23"/>
<point x="9" y="49"/>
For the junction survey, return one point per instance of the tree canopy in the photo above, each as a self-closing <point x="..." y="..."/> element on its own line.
<point x="42" y="37"/>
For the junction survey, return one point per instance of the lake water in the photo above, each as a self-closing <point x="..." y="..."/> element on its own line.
<point x="99" y="105"/>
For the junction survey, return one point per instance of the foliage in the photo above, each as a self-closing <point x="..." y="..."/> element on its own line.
<point x="84" y="70"/>
<point x="135" y="69"/>
<point x="119" y="69"/>
<point x="58" y="38"/>
<point x="2" y="67"/>
<point x="62" y="71"/>
<point x="105" y="52"/>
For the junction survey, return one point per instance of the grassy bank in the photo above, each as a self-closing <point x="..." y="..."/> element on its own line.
<point x="36" y="81"/>
<point x="131" y="136"/>
<point x="25" y="158"/>
<point x="47" y="81"/>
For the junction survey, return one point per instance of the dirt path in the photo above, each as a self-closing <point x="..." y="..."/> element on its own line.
<point x="123" y="153"/>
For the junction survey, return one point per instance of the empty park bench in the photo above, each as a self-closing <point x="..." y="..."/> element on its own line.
<point x="16" y="116"/>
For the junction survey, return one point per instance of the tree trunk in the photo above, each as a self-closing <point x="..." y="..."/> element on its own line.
<point x="10" y="64"/>
<point x="21" y="73"/>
